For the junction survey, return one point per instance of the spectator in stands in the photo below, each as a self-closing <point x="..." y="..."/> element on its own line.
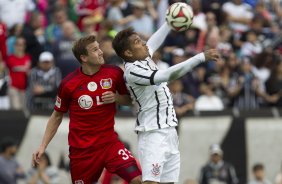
<point x="208" y="101"/>
<point x="151" y="10"/>
<point x="4" y="79"/>
<point x="199" y="19"/>
<point x="212" y="35"/>
<point x="14" y="32"/>
<point x="44" y="172"/>
<point x="238" y="15"/>
<point x="263" y="64"/>
<point x="161" y="7"/>
<point x="278" y="177"/>
<point x="109" y="54"/>
<point x="4" y="101"/>
<point x="193" y="80"/>
<point x="88" y="28"/>
<point x="34" y="34"/>
<point x="274" y="85"/>
<point x="15" y="12"/>
<point x="92" y="10"/>
<point x="52" y="6"/>
<point x="54" y="30"/>
<point x="10" y="169"/>
<point x="141" y="19"/>
<point x="263" y="13"/>
<point x="252" y="46"/>
<point x="224" y="46"/>
<point x="214" y="6"/>
<point x="220" y="82"/>
<point x="43" y="83"/>
<point x="178" y="55"/>
<point x="62" y="49"/>
<point x="182" y="102"/>
<point x="217" y="170"/>
<point x="174" y="40"/>
<point x="192" y="43"/>
<point x="19" y="65"/>
<point x="259" y="175"/>
<point x="157" y="58"/>
<point x="3" y="38"/>
<point x="116" y="16"/>
<point x="245" y="87"/>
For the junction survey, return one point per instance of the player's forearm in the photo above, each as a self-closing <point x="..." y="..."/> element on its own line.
<point x="44" y="178"/>
<point x="177" y="71"/>
<point x="52" y="127"/>
<point x="158" y="38"/>
<point x="34" y="179"/>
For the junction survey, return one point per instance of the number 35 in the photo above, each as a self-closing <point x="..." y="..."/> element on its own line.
<point x="124" y="153"/>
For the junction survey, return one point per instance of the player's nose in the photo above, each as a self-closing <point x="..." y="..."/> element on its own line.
<point x="101" y="52"/>
<point x="144" y="42"/>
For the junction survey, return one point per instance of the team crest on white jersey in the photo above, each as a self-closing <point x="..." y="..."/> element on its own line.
<point x="85" y="102"/>
<point x="156" y="169"/>
<point x="58" y="102"/>
<point x="78" y="182"/>
<point x="106" y="83"/>
<point x="92" y="86"/>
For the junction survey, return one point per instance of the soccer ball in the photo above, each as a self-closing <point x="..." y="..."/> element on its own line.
<point x="179" y="16"/>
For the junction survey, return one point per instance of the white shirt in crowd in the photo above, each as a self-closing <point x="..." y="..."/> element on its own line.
<point x="14" y="11"/>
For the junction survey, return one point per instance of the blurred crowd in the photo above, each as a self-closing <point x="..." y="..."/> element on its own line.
<point x="36" y="38"/>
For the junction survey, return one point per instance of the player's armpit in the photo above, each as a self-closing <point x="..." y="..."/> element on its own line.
<point x="123" y="99"/>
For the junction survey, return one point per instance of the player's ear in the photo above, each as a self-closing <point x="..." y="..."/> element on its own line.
<point x="128" y="53"/>
<point x="83" y="58"/>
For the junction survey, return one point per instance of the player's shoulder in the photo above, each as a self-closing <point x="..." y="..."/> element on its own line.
<point x="135" y="65"/>
<point x="70" y="77"/>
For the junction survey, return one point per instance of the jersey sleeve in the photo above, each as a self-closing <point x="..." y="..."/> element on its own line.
<point x="63" y="98"/>
<point x="121" y="87"/>
<point x="140" y="75"/>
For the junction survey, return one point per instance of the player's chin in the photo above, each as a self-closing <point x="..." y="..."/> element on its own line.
<point x="102" y="61"/>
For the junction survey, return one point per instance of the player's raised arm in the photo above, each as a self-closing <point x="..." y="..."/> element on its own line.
<point x="156" y="40"/>
<point x="145" y="77"/>
<point x="177" y="71"/>
<point x="51" y="129"/>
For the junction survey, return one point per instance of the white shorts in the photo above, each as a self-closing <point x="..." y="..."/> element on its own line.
<point x="159" y="155"/>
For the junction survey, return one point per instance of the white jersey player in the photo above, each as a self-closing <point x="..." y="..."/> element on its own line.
<point x="156" y="120"/>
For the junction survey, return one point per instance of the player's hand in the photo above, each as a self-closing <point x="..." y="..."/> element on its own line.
<point x="108" y="97"/>
<point x="211" y="55"/>
<point x="36" y="156"/>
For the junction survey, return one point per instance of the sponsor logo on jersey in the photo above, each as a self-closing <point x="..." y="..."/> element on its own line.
<point x="106" y="83"/>
<point x="92" y="86"/>
<point x="78" y="182"/>
<point x="156" y="169"/>
<point x="85" y="102"/>
<point x="58" y="102"/>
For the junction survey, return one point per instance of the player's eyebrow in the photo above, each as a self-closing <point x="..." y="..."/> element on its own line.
<point x="136" y="39"/>
<point x="94" y="47"/>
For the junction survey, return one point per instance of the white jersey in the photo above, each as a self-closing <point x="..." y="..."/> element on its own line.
<point x="154" y="100"/>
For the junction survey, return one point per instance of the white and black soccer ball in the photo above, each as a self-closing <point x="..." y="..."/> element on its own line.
<point x="179" y="16"/>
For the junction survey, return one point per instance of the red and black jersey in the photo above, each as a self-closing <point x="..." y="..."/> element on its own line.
<point x="91" y="121"/>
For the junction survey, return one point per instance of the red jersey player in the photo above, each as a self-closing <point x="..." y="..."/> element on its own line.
<point x="89" y="95"/>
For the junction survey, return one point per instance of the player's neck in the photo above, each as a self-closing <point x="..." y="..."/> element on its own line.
<point x="90" y="70"/>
